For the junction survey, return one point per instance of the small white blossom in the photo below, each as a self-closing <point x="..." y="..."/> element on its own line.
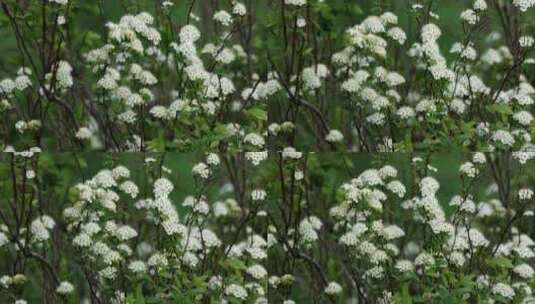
<point x="333" y="288"/>
<point x="65" y="288"/>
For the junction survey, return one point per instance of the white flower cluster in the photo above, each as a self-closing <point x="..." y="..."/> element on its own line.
<point x="524" y="5"/>
<point x="384" y="251"/>
<point x="41" y="227"/>
<point x="124" y="67"/>
<point x="376" y="93"/>
<point x="103" y="234"/>
<point x="101" y="238"/>
<point x="333" y="288"/>
<point x="10" y="86"/>
<point x="65" y="288"/>
<point x="295" y="2"/>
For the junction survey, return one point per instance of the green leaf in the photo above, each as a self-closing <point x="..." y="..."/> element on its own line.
<point x="258" y="113"/>
<point x="500" y="108"/>
<point x="500" y="262"/>
<point x="234" y="264"/>
<point x="405" y="295"/>
<point x="137" y="297"/>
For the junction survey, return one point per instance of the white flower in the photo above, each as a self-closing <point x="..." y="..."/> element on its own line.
<point x="258" y="195"/>
<point x="389" y="18"/>
<point x="157" y="260"/>
<point x="430" y="33"/>
<point x="424" y="259"/>
<point x="21" y="126"/>
<point x="397" y="34"/>
<point x="215" y="282"/>
<point x="61" y="2"/>
<point x="524" y="271"/>
<point x="334" y="136"/>
<point x="40" y="228"/>
<point x="256" y="157"/>
<point x="523" y="157"/>
<point x="257" y="271"/>
<point x="162" y="187"/>
<point x="480" y="5"/>
<point x="239" y="9"/>
<point x="392" y="232"/>
<point x="469" y="170"/>
<point x="307" y="231"/>
<point x="63" y="74"/>
<point x="503" y="137"/>
<point x="405" y="112"/>
<point x="295" y="2"/>
<point x="7" y="86"/>
<point x="65" y="288"/>
<point x="333" y="288"/>
<point x="109" y="273"/>
<point x="202" y="170"/>
<point x="125" y="232"/>
<point x="388" y="171"/>
<point x="526" y="41"/>
<point x="167" y="4"/>
<point x="479" y="158"/>
<point x="82" y="240"/>
<point x="22" y="82"/>
<point x="137" y="266"/>
<point x="130" y="188"/>
<point x="376" y="119"/>
<point x="83" y="133"/>
<point x="503" y="290"/>
<point x="3" y="239"/>
<point x="373" y="24"/>
<point x="470" y="16"/>
<point x="255" y="140"/>
<point x="457" y="259"/>
<point x="525" y="194"/>
<point x="429" y="186"/>
<point x="523" y="117"/>
<point x="397" y="188"/>
<point x="189" y="33"/>
<point x="213" y="159"/>
<point x="404" y="266"/>
<point x="524" y="5"/>
<point x="236" y="291"/>
<point x="223" y="17"/>
<point x="30" y="174"/>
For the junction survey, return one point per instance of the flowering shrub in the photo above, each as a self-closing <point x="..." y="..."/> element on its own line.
<point x="152" y="80"/>
<point x="385" y="234"/>
<point x="142" y="83"/>
<point x="119" y="237"/>
<point x="294" y="227"/>
<point x="230" y="193"/>
<point x="386" y="90"/>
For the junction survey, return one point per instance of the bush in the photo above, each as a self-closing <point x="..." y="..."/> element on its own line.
<point x="290" y="151"/>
